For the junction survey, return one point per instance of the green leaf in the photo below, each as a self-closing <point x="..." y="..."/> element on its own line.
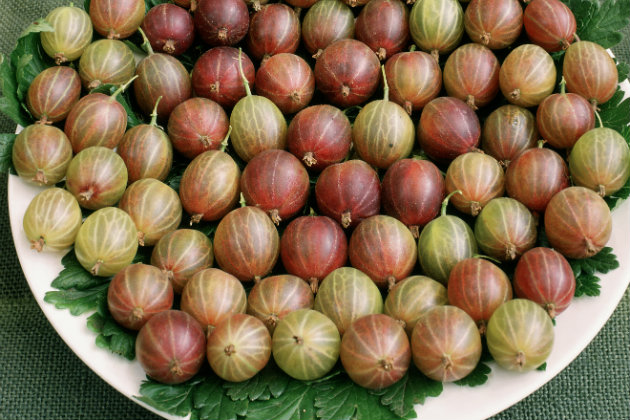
<point x="174" y="177"/>
<point x="86" y="5"/>
<point x="74" y="276"/>
<point x="210" y="402"/>
<point x="172" y="399"/>
<point x="478" y="376"/>
<point x="6" y="150"/>
<point x="542" y="367"/>
<point x="600" y="23"/>
<point x="123" y="99"/>
<point x="28" y="61"/>
<point x="295" y="403"/>
<point x="9" y="103"/>
<point x="341" y="399"/>
<point x="152" y="3"/>
<point x="414" y="388"/>
<point x="40" y="25"/>
<point x="587" y="284"/>
<point x="78" y="301"/>
<point x="602" y="262"/>
<point x="268" y="383"/>
<point x="114" y="337"/>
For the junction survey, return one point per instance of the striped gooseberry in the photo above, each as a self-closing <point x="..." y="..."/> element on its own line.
<point x="52" y="220"/>
<point x="411" y="297"/>
<point x="520" y="335"/>
<point x="445" y="343"/>
<point x="210" y="200"/>
<point x="325" y="22"/>
<point x="600" y="160"/>
<point x="196" y="126"/>
<point x="507" y="132"/>
<point x="107" y="242"/>
<point x="211" y="296"/>
<point x="154" y="207"/>
<point x="436" y="26"/>
<point x="375" y="351"/>
<point x="272" y="298"/>
<point x="319" y="136"/>
<point x="246" y="243"/>
<point x="221" y="22"/>
<point x="544" y="276"/>
<point x="527" y="75"/>
<point x="384" y="249"/>
<point x="383" y="132"/>
<point x="444" y="242"/>
<point x="544" y="170"/>
<point x="41" y="154"/>
<point x="505" y="241"/>
<point x="106" y="61"/>
<point x="116" y="20"/>
<point x="313" y="246"/>
<point x="413" y="190"/>
<point x="479" y="177"/>
<point x="137" y="293"/>
<point x="181" y="254"/>
<point x="97" y="177"/>
<point x="71" y="35"/>
<point x="415" y="79"/>
<point x="53" y="93"/>
<point x="347" y="72"/>
<point x="383" y="25"/>
<point x="274" y="29"/>
<point x="348" y="192"/>
<point x="478" y="287"/>
<point x="347" y="294"/>
<point x="578" y="223"/>
<point x="238" y="348"/>
<point x="171" y="347"/>
<point x="169" y="28"/>
<point x="276" y="182"/>
<point x="550" y="24"/>
<point x="305" y="344"/>
<point x="494" y="23"/>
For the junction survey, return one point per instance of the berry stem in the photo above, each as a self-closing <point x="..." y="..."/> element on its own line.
<point x="154" y="114"/>
<point x="385" y="85"/>
<point x="240" y="69"/>
<point x="599" y="119"/>
<point x="224" y="143"/>
<point x="563" y="86"/>
<point x="445" y="201"/>
<point x="123" y="87"/>
<point x="146" y="44"/>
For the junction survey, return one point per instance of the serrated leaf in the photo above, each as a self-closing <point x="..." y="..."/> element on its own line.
<point x="600" y="22"/>
<point x="414" y="388"/>
<point x="478" y="376"/>
<point x="74" y="276"/>
<point x="210" y="402"/>
<point x="122" y="98"/>
<point x="341" y="399"/>
<point x="587" y="284"/>
<point x="78" y="301"/>
<point x="269" y="382"/>
<point x="542" y="367"/>
<point x="623" y="69"/>
<point x="6" y="150"/>
<point x="28" y="61"/>
<point x="602" y="262"/>
<point x="172" y="399"/>
<point x="117" y="339"/>
<point x="295" y="403"/>
<point x="39" y="25"/>
<point x="95" y="322"/>
<point x="9" y="103"/>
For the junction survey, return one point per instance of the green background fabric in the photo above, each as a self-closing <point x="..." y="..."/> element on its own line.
<point x="40" y="377"/>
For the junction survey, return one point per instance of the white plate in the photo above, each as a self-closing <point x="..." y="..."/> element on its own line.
<point x="575" y="327"/>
